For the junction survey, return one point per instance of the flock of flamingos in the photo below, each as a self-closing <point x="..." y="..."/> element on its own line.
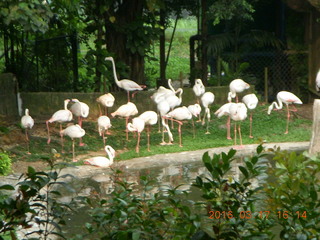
<point x="168" y="102"/>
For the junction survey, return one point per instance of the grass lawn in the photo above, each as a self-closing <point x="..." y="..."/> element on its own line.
<point x="269" y="128"/>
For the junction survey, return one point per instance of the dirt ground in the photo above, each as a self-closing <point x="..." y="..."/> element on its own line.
<point x="7" y="141"/>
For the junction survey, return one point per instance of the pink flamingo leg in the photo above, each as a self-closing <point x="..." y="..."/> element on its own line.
<point x="73" y="153"/>
<point x="61" y="137"/>
<point x="104" y="141"/>
<point x="180" y="136"/>
<point x="288" y="118"/>
<point x="128" y="96"/>
<point x="138" y="143"/>
<point x="148" y="136"/>
<point x="193" y="129"/>
<point x="228" y="128"/>
<point x="127" y="131"/>
<point x="100" y="113"/>
<point x="49" y="139"/>
<point x="251" y="126"/>
<point x="27" y="138"/>
<point x="235" y="134"/>
<point x="239" y="130"/>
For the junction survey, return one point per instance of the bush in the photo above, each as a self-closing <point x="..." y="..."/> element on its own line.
<point x="5" y="164"/>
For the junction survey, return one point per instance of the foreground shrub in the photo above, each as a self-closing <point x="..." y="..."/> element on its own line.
<point x="5" y="164"/>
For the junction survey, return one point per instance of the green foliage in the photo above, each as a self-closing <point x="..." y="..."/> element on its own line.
<point x="294" y="194"/>
<point x="34" y="204"/>
<point x="138" y="211"/>
<point x="231" y="201"/>
<point x="5" y="163"/>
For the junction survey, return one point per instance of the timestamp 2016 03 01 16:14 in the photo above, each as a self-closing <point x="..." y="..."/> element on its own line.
<point x="258" y="214"/>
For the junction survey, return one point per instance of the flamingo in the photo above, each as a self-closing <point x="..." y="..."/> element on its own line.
<point x="163" y="108"/>
<point x="318" y="81"/>
<point x="238" y="112"/>
<point x="137" y="125"/>
<point x="286" y="98"/>
<point x="195" y="110"/>
<point x="73" y="131"/>
<point x="198" y="89"/>
<point x="126" y="84"/>
<point x="102" y="161"/>
<point x="237" y="86"/>
<point x="103" y="125"/>
<point x="27" y="122"/>
<point x="179" y="114"/>
<point x="60" y="116"/>
<point x="126" y="110"/>
<point x="174" y="100"/>
<point x="251" y="101"/>
<point x="149" y="118"/>
<point x="107" y="101"/>
<point x="207" y="99"/>
<point x="80" y="110"/>
<point x="224" y="110"/>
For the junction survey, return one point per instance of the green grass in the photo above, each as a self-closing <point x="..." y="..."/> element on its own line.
<point x="269" y="128"/>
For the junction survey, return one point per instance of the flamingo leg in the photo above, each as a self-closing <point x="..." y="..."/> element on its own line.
<point x="61" y="137"/>
<point x="27" y="138"/>
<point x="204" y="116"/>
<point x="100" y="113"/>
<point x="159" y="124"/>
<point x="228" y="128"/>
<point x="128" y="96"/>
<point x="138" y="143"/>
<point x="193" y="129"/>
<point x="239" y="130"/>
<point x="251" y="126"/>
<point x="104" y="141"/>
<point x="49" y="139"/>
<point x="235" y="134"/>
<point x="148" y="137"/>
<point x="288" y="118"/>
<point x="73" y="153"/>
<point x="127" y="131"/>
<point x="180" y="136"/>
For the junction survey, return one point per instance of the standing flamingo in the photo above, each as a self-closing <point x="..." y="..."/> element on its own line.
<point x="198" y="89"/>
<point x="27" y="122"/>
<point x="163" y="108"/>
<point x="73" y="131"/>
<point x="179" y="114"/>
<point x="60" y="116"/>
<point x="224" y="110"/>
<point x="103" y="125"/>
<point x="237" y="86"/>
<point x="149" y="118"/>
<point x="207" y="99"/>
<point x="251" y="101"/>
<point x="238" y="112"/>
<point x="195" y="110"/>
<point x="127" y="110"/>
<point x="174" y="100"/>
<point x="107" y="101"/>
<point x="80" y="110"/>
<point x="286" y="98"/>
<point x="137" y="125"/>
<point x="125" y="84"/>
<point x="102" y="161"/>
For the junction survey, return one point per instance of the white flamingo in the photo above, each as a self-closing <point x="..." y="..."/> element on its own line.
<point x="60" y="116"/>
<point x="103" y="125"/>
<point x="286" y="98"/>
<point x="125" y="84"/>
<point x="80" y="110"/>
<point x="198" y="89"/>
<point x="174" y="100"/>
<point x="238" y="112"/>
<point x="149" y="118"/>
<point x="318" y="81"/>
<point x="137" y="125"/>
<point x="163" y="108"/>
<point x="27" y="122"/>
<point x="251" y="101"/>
<point x="179" y="114"/>
<point x="224" y="110"/>
<point x="107" y="101"/>
<point x="207" y="99"/>
<point x="237" y="86"/>
<point x="102" y="161"/>
<point x="195" y="110"/>
<point x="126" y="110"/>
<point x="73" y="131"/>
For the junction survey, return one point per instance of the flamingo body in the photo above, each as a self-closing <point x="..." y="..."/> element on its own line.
<point x="126" y="84"/>
<point x="318" y="81"/>
<point x="198" y="88"/>
<point x="73" y="131"/>
<point x="224" y="110"/>
<point x="80" y="110"/>
<point x="237" y="86"/>
<point x="106" y="100"/>
<point x="238" y="112"/>
<point x="103" y="125"/>
<point x="207" y="99"/>
<point x="251" y="101"/>
<point x="27" y="122"/>
<point x="102" y="161"/>
<point x="137" y="125"/>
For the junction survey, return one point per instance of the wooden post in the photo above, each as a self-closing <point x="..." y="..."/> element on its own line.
<point x="266" y="85"/>
<point x="315" y="137"/>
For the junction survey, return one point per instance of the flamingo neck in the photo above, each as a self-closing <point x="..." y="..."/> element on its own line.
<point x="110" y="155"/>
<point x="170" y="85"/>
<point x="114" y="72"/>
<point x="66" y="104"/>
<point x="27" y="112"/>
<point x="278" y="104"/>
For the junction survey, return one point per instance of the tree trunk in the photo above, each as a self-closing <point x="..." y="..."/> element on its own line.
<point x="162" y="80"/>
<point x="204" y="34"/>
<point x="315" y="138"/>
